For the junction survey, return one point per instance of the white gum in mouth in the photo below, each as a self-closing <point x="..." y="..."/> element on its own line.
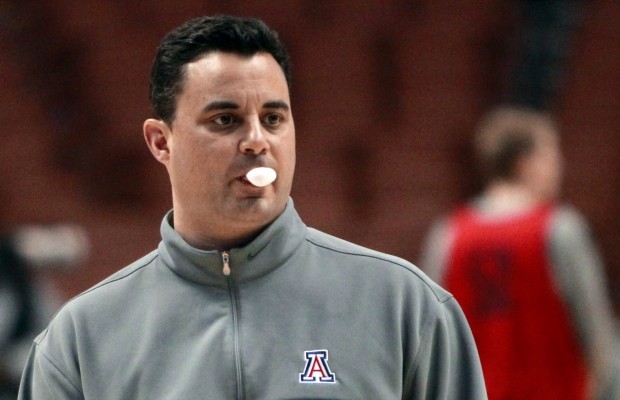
<point x="261" y="176"/>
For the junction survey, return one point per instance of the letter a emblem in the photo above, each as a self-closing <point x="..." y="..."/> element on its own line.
<point x="316" y="370"/>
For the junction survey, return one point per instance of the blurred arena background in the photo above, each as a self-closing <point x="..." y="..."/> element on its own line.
<point x="385" y="96"/>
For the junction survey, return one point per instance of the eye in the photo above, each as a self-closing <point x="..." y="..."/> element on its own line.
<point x="224" y="119"/>
<point x="272" y="119"/>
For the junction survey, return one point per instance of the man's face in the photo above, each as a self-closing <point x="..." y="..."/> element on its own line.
<point x="233" y="114"/>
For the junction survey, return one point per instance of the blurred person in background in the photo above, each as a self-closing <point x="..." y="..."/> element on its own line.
<point x="27" y="299"/>
<point x="525" y="269"/>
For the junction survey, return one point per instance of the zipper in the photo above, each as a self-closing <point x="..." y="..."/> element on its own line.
<point x="237" y="346"/>
<point x="234" y="304"/>
<point x="226" y="263"/>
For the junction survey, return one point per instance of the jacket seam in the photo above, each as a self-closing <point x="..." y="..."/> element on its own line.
<point x="426" y="327"/>
<point x="441" y="299"/>
<point x="102" y="284"/>
<point x="54" y="364"/>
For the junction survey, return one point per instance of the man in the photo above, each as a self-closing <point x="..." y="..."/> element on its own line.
<point x="525" y="269"/>
<point x="241" y="300"/>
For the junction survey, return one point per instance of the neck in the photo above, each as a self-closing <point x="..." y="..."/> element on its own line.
<point x="205" y="242"/>
<point x="503" y="197"/>
<point x="224" y="238"/>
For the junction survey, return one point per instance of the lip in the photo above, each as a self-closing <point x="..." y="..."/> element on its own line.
<point x="248" y="186"/>
<point x="245" y="171"/>
<point x="244" y="180"/>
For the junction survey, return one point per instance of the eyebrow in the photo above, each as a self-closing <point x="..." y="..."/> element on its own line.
<point x="278" y="104"/>
<point x="221" y="105"/>
<point x="230" y="105"/>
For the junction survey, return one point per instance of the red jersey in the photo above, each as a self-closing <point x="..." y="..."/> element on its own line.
<point x="499" y="271"/>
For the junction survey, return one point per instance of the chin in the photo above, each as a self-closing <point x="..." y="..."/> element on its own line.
<point x="259" y="209"/>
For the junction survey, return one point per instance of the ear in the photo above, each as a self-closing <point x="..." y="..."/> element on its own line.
<point x="157" y="135"/>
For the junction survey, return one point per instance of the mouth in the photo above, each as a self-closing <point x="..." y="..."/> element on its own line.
<point x="261" y="176"/>
<point x="244" y="180"/>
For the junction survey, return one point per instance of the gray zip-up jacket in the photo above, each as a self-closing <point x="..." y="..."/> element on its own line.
<point x="303" y="315"/>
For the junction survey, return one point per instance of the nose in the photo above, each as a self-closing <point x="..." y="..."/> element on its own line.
<point x="254" y="140"/>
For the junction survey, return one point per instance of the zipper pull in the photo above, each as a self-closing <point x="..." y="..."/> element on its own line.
<point x="226" y="262"/>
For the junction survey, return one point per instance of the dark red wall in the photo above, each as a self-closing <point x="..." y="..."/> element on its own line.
<point x="385" y="95"/>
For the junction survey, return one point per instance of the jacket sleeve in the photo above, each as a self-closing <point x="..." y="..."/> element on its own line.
<point x="43" y="380"/>
<point x="447" y="365"/>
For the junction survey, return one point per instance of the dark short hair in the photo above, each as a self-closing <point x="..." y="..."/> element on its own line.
<point x="505" y="135"/>
<point x="194" y="38"/>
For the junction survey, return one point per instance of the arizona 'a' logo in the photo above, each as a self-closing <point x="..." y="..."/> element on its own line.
<point x="317" y="369"/>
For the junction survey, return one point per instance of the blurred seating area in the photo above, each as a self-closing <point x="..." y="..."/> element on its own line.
<point x="384" y="116"/>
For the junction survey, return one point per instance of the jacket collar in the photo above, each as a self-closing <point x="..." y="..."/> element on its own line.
<point x="265" y="253"/>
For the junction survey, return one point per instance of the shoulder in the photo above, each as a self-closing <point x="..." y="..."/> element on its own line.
<point x="125" y="276"/>
<point x="101" y="299"/>
<point x="127" y="273"/>
<point x="568" y="225"/>
<point x="382" y="266"/>
<point x="568" y="217"/>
